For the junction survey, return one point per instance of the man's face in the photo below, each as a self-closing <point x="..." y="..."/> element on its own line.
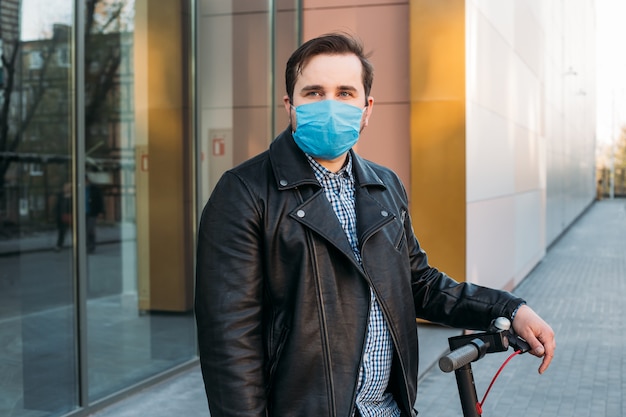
<point x="330" y="77"/>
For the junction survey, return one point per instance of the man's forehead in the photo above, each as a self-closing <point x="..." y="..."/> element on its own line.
<point x="348" y="59"/>
<point x="332" y="66"/>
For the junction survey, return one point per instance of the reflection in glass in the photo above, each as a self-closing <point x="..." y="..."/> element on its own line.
<point x="139" y="312"/>
<point x="137" y="223"/>
<point x="37" y="311"/>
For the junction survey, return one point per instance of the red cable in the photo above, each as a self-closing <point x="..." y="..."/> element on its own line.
<point x="479" y="405"/>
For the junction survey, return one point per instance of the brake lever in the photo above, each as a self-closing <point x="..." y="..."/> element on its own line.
<point x="504" y="325"/>
<point x="517" y="343"/>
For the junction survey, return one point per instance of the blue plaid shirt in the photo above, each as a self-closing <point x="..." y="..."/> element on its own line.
<point x="371" y="398"/>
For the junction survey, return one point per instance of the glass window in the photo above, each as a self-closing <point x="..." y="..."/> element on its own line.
<point x="96" y="268"/>
<point x="137" y="136"/>
<point x="129" y="264"/>
<point x="37" y="235"/>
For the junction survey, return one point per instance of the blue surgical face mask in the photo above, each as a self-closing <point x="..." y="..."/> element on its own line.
<point x="326" y="129"/>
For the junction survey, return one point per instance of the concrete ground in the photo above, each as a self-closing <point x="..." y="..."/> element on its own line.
<point x="579" y="288"/>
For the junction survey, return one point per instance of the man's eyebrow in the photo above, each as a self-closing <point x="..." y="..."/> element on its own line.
<point x="317" y="87"/>
<point x="314" y="87"/>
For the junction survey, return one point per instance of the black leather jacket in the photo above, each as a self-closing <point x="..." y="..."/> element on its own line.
<point x="282" y="304"/>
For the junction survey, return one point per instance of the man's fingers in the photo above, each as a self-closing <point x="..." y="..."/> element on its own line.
<point x="543" y="346"/>
<point x="545" y="363"/>
<point x="536" y="347"/>
<point x="548" y="346"/>
<point x="537" y="333"/>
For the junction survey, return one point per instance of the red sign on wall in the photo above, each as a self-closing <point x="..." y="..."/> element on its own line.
<point x="218" y="147"/>
<point x="144" y="162"/>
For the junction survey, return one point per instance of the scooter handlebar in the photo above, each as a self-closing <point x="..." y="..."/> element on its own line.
<point x="459" y="357"/>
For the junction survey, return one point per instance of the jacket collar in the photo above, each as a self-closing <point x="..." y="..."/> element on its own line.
<point x="291" y="168"/>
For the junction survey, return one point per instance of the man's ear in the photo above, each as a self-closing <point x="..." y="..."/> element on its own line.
<point x="287" y="103"/>
<point x="368" y="110"/>
<point x="288" y="109"/>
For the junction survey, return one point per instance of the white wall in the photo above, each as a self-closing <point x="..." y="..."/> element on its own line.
<point x="530" y="130"/>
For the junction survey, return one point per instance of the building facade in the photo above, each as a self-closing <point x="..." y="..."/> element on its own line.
<point x="486" y="110"/>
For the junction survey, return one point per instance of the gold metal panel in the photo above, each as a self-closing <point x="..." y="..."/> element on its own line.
<point x="164" y="260"/>
<point x="438" y="203"/>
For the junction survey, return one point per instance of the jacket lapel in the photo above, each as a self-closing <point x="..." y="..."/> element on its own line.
<point x="371" y="213"/>
<point x="317" y="214"/>
<point x="292" y="171"/>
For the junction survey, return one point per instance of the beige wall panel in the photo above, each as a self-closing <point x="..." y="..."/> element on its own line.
<point x="349" y="3"/>
<point x="215" y="62"/>
<point x="528" y="139"/>
<point x="529" y="38"/>
<point x="286" y="43"/>
<point x="489" y="134"/>
<point x="527" y="161"/>
<point x="251" y="133"/>
<point x="491" y="229"/>
<point x="388" y="143"/>
<point x="384" y="31"/>
<point x="530" y="234"/>
<point x="251" y="60"/>
<point x="383" y="28"/>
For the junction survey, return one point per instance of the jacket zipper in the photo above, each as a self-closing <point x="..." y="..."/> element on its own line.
<point x="322" y="313"/>
<point x="354" y="390"/>
<point x="386" y="315"/>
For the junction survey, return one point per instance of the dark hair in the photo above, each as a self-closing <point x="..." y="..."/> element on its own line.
<point x="331" y="44"/>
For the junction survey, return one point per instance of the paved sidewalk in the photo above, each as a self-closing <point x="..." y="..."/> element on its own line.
<point x="579" y="288"/>
<point x="46" y="240"/>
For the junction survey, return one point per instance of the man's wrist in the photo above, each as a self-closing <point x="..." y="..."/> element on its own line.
<point x="514" y="313"/>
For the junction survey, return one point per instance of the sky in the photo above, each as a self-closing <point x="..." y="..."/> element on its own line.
<point x="611" y="68"/>
<point x="37" y="15"/>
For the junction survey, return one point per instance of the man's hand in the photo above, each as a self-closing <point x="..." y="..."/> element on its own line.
<point x="539" y="335"/>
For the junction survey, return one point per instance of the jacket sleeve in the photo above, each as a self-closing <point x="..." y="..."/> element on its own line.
<point x="441" y="299"/>
<point x="228" y="301"/>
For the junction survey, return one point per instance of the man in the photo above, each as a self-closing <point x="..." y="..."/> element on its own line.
<point x="309" y="277"/>
<point x="63" y="208"/>
<point x="94" y="207"/>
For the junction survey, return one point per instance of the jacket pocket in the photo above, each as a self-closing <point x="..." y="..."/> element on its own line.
<point x="275" y="358"/>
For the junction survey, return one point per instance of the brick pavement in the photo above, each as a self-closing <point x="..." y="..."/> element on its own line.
<point x="579" y="288"/>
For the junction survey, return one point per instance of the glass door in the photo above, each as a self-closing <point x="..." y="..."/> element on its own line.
<point x="138" y="233"/>
<point x="96" y="212"/>
<point x="38" y="346"/>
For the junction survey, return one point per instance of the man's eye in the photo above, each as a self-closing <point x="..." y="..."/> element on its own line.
<point x="314" y="94"/>
<point x="345" y="94"/>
